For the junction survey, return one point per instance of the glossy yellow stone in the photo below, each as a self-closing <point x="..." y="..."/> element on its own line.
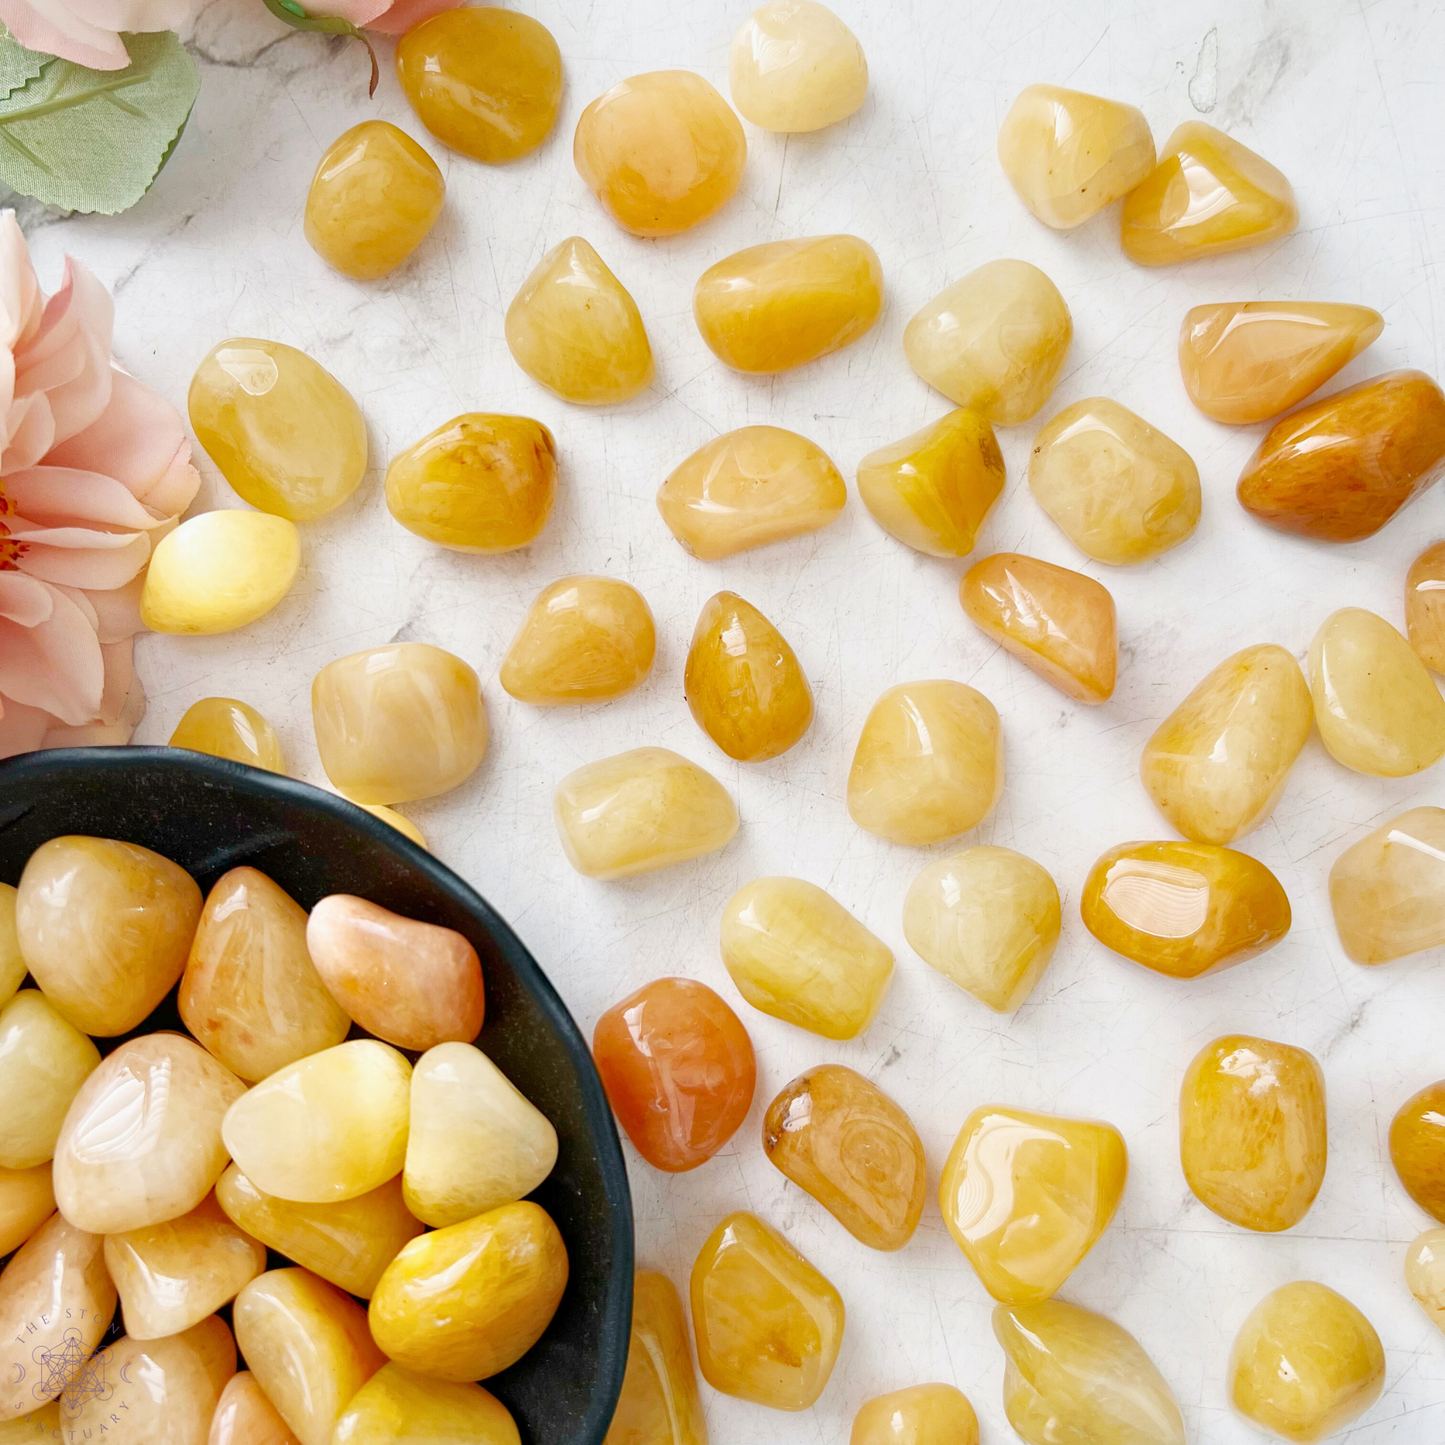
<point x="375" y="195"/>
<point x="171" y="1276"/>
<point x="929" y="763"/>
<point x="1026" y="1196"/>
<point x="399" y="821"/>
<point x="27" y="1200"/>
<point x="1377" y="709"/>
<point x="661" y="151"/>
<point x="584" y="639"/>
<point x="485" y="81"/>
<point x="308" y="1346"/>
<point x="395" y="1407"/>
<point x="1059" y="624"/>
<point x="794" y="66"/>
<point x="479" y="483"/>
<point x="1117" y="488"/>
<point x="1417" y="1148"/>
<point x="1068" y="154"/>
<point x="1252" y="1139"/>
<point x="226" y="728"/>
<point x="1248" y="361"/>
<point x="1424" y="1275"/>
<point x="349" y="1244"/>
<point x="1425" y="606"/>
<point x="244" y="1416"/>
<point x="1388" y="890"/>
<point x="463" y="1303"/>
<point x="988" y="919"/>
<point x="574" y="329"/>
<point x="768" y="1324"/>
<point x="12" y="961"/>
<point x="284" y="432"/>
<point x="919" y="1415"/>
<point x="934" y="488"/>
<point x="994" y="341"/>
<point x="1073" y="1376"/>
<point x="1216" y="766"/>
<point x="641" y="810"/>
<point x="398" y="723"/>
<point x="743" y="683"/>
<point x="1207" y="195"/>
<point x="772" y="307"/>
<point x="659" y="1403"/>
<point x="1184" y="909"/>
<point x="1305" y="1363"/>
<point x="796" y="953"/>
<point x="43" y="1063"/>
<point x="749" y="487"/>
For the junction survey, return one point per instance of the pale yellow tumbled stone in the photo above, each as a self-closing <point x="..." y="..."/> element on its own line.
<point x="644" y="809"/>
<point x="919" y="1415"/>
<point x="994" y="341"/>
<point x="27" y="1200"/>
<point x="988" y="919"/>
<point x="12" y="962"/>
<point x="1377" y="708"/>
<point x="43" y="1063"/>
<point x="399" y="821"/>
<point x="1388" y="890"/>
<point x="794" y="66"/>
<point x="226" y="728"/>
<point x="1424" y="1275"/>
<point x="796" y="953"/>
<point x="38" y="1427"/>
<point x="1069" y="154"/>
<point x="396" y="1407"/>
<point x="929" y="763"/>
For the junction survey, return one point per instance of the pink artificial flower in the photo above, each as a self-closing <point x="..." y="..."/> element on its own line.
<point x="88" y="31"/>
<point x="390" y="17"/>
<point x="94" y="468"/>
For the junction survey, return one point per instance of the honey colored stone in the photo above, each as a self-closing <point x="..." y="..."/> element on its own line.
<point x="1247" y="361"/>
<point x="250" y="993"/>
<point x="659" y="1404"/>
<point x="475" y="1141"/>
<point x="584" y="639"/>
<point x="27" y="1200"/>
<point x="1377" y="709"/>
<point x="284" y="432"/>
<point x="749" y="487"/>
<point x="308" y="1346"/>
<point x="768" y="1324"/>
<point x="1252" y="1137"/>
<point x="1425" y="606"/>
<point x="743" y="683"/>
<point x="1305" y="1363"/>
<point x="479" y="483"/>
<point x="348" y="1244"/>
<point x="244" y="1416"/>
<point x="988" y="919"/>
<point x="226" y="728"/>
<point x="919" y="1415"/>
<point x="326" y="1128"/>
<point x="141" y="1143"/>
<point x="929" y="763"/>
<point x="1072" y="1375"/>
<point x="641" y="810"/>
<point x="794" y="66"/>
<point x="679" y="1071"/>
<point x="1388" y="890"/>
<point x="104" y="928"/>
<point x="796" y="953"/>
<point x="395" y="1407"/>
<point x="934" y="488"/>
<point x="994" y="341"/>
<point x="375" y="195"/>
<point x="1207" y="195"/>
<point x="1424" y="1275"/>
<point x="1059" y="624"/>
<point x="399" y="821"/>
<point x="1068" y="154"/>
<point x="55" y="1295"/>
<point x="1184" y="909"/>
<point x="661" y="151"/>
<point x="485" y="81"/>
<point x="1417" y="1148"/>
<point x="43" y="1063"/>
<point x="772" y="307"/>
<point x="1216" y="766"/>
<point x="463" y="1303"/>
<point x="42" y="1425"/>
<point x="410" y="983"/>
<point x="840" y="1138"/>
<point x="12" y="961"/>
<point x="1026" y="1196"/>
<point x="1117" y="488"/>
<point x="574" y="329"/>
<point x="1339" y="469"/>
<point x="394" y="724"/>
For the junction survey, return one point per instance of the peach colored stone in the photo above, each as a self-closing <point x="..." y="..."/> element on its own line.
<point x="244" y="1416"/>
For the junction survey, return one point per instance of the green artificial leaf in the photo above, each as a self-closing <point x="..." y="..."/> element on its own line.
<point x="294" y="14"/>
<point x="94" y="140"/>
<point x="17" y="64"/>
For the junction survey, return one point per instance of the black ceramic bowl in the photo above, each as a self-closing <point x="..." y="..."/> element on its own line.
<point x="209" y="815"/>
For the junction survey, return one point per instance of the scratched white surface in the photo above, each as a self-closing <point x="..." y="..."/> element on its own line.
<point x="1349" y="103"/>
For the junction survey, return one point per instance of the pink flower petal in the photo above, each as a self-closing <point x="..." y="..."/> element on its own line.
<point x="406" y="13"/>
<point x="117" y="612"/>
<point x="32" y="430"/>
<point x="24" y="600"/>
<point x="81" y="600"/>
<point x="125" y="15"/>
<point x="119" y="675"/>
<point x="82" y="43"/>
<point x="76" y="557"/>
<point x="62" y="497"/>
<point x="69" y="357"/>
<point x="20" y="300"/>
<point x="22" y="729"/>
<point x="101" y="734"/>
<point x="359" y="12"/>
<point x="57" y="666"/>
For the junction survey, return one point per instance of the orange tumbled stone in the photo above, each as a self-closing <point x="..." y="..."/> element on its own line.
<point x="679" y="1071"/>
<point x="1425" y="606"/>
<point x="1417" y="1148"/>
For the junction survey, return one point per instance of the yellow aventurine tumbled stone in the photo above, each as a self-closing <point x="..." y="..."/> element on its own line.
<point x="919" y="1415"/>
<point x="219" y="571"/>
<point x="659" y="1404"/>
<point x="225" y="728"/>
<point x="395" y="1407"/>
<point x="12" y="962"/>
<point x="1425" y="1274"/>
<point x="1388" y="890"/>
<point x="1425" y="606"/>
<point x="244" y="1416"/>
<point x="27" y="1200"/>
<point x="399" y="821"/>
<point x="794" y="66"/>
<point x="43" y="1062"/>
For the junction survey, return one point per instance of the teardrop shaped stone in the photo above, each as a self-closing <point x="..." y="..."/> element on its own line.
<point x="43" y="1063"/>
<point x="659" y="1404"/>
<point x="1388" y="890"/>
<point x="226" y="728"/>
<point x="244" y="1416"/>
<point x="27" y="1200"/>
<point x="396" y="1407"/>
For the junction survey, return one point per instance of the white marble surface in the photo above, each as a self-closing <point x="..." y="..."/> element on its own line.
<point x="1347" y="100"/>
